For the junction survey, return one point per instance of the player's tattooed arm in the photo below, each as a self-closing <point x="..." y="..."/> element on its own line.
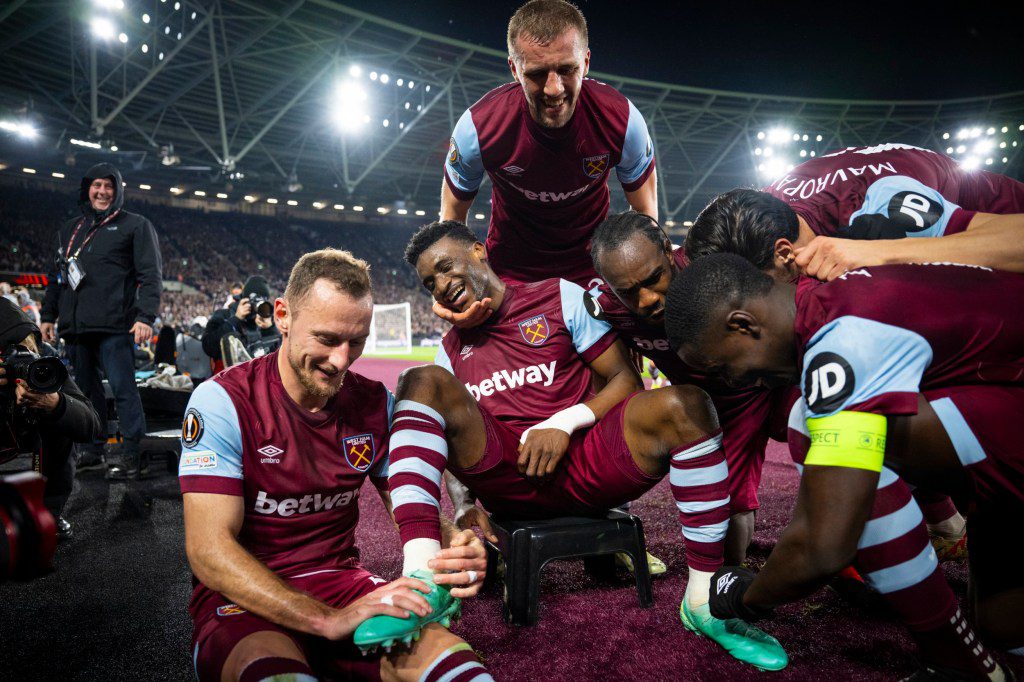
<point x="833" y="505"/>
<point x="212" y="524"/>
<point x="990" y="240"/>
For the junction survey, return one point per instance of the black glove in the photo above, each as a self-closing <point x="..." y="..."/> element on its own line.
<point x="728" y="585"/>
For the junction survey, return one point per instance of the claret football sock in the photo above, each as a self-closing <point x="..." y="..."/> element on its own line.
<point x="417" y="458"/>
<point x="699" y="477"/>
<point x="457" y="663"/>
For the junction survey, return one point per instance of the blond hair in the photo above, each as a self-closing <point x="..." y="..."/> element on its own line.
<point x="349" y="274"/>
<point x="543" y="21"/>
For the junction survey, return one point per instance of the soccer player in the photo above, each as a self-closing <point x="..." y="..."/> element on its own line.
<point x="509" y="411"/>
<point x="548" y="141"/>
<point x="911" y="368"/>
<point x="636" y="260"/>
<point x="274" y="453"/>
<point x="816" y="218"/>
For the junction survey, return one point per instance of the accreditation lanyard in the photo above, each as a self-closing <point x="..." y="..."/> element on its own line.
<point x="92" y="231"/>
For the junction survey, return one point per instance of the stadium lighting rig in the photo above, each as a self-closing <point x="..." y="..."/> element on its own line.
<point x="22" y="129"/>
<point x="979" y="145"/>
<point x="777" y="147"/>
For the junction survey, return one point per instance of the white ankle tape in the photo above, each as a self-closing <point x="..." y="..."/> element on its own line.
<point x="417" y="553"/>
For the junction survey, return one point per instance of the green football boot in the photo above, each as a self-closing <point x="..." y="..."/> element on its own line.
<point x="743" y="641"/>
<point x="655" y="566"/>
<point x="386" y="631"/>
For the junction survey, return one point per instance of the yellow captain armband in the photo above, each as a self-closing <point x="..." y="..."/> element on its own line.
<point x="847" y="439"/>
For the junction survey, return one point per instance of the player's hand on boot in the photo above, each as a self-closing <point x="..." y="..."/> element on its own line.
<point x="472" y="516"/>
<point x="728" y="585"/>
<point x="474" y="315"/>
<point x="463" y="564"/>
<point x="399" y="599"/>
<point x="540" y="452"/>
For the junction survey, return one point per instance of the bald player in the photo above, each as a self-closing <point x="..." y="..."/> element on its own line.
<point x="548" y="141"/>
<point x="915" y="369"/>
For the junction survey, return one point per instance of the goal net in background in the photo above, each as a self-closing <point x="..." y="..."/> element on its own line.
<point x="391" y="330"/>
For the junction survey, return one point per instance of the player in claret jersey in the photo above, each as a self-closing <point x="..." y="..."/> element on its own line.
<point x="818" y="218"/>
<point x="508" y="409"/>
<point x="637" y="261"/>
<point x="274" y="452"/>
<point x="911" y="368"/>
<point x="548" y="141"/>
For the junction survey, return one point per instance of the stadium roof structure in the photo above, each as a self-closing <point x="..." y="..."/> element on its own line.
<point x="249" y="96"/>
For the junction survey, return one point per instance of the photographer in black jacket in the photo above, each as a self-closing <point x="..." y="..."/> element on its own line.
<point x="44" y="424"/>
<point x="250" y="318"/>
<point x="104" y="293"/>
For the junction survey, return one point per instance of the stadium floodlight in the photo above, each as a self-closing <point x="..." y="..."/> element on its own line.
<point x="193" y="16"/>
<point x="109" y="4"/>
<point x="428" y="90"/>
<point x="383" y="210"/>
<point x="421" y="212"/>
<point x="399" y="82"/>
<point x="407" y="105"/>
<point x="293" y="202"/>
<point x="1004" y="129"/>
<point x="962" y="133"/>
<point x="199" y="193"/>
<point x="1020" y="127"/>
<point x="145" y="48"/>
<point x="813" y="152"/>
<point x="401" y="126"/>
<point x="113" y="147"/>
<point x="102" y="28"/>
<point x="373" y="75"/>
<point x="988" y="161"/>
<point x="773" y="168"/>
<point x="145" y="18"/>
<point x="760" y="135"/>
<point x="805" y="138"/>
<point x="1005" y="159"/>
<point x="318" y="205"/>
<point x="222" y="195"/>
<point x="357" y="209"/>
<point x="970" y="163"/>
<point x="179" y="35"/>
<point x="384" y="78"/>
<point x="945" y="136"/>
<point x="778" y="135"/>
<point x="57" y="175"/>
<point x="176" y="190"/>
<point x="122" y="37"/>
<point x="145" y="187"/>
<point x="411" y="85"/>
<point x="803" y="152"/>
<point x="419" y="107"/>
<point x="355" y="71"/>
<point x="167" y="30"/>
<point x="819" y="138"/>
<point x="1002" y="145"/>
<point x="796" y="137"/>
<point x="85" y="143"/>
<point x="250" y="198"/>
<point x="768" y="151"/>
<point x="949" y="150"/>
<point x="177" y="6"/>
<point x="983" y="146"/>
<point x="385" y="123"/>
<point x="961" y="149"/>
<point x="479" y="216"/>
<point x="687" y="223"/>
<point x="339" y="207"/>
<point x="26" y="130"/>
<point x="30" y="171"/>
<point x="758" y="151"/>
<point x="403" y="211"/>
<point x="349" y="106"/>
<point x="990" y="131"/>
<point x="160" y="56"/>
<point x="670" y="223"/>
<point x="975" y="132"/>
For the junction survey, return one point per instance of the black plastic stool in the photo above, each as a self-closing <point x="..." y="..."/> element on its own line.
<point x="524" y="547"/>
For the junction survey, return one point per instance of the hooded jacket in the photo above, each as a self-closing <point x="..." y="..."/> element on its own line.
<point x="51" y="434"/>
<point x="121" y="260"/>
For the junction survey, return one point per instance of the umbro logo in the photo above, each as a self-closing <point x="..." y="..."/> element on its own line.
<point x="513" y="170"/>
<point x="724" y="583"/>
<point x="270" y="454"/>
<point x="466" y="351"/>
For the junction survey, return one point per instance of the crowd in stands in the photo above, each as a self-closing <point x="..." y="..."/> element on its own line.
<point x="208" y="251"/>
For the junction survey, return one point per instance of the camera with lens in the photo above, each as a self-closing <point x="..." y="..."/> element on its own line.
<point x="258" y="305"/>
<point x="43" y="375"/>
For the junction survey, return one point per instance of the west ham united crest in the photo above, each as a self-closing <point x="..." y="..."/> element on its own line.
<point x="359" y="451"/>
<point x="595" y="166"/>
<point x="535" y="330"/>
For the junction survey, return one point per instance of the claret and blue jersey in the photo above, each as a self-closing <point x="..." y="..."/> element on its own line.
<point x="550" y="186"/>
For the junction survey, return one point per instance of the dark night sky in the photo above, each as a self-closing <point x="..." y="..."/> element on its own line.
<point x="847" y="49"/>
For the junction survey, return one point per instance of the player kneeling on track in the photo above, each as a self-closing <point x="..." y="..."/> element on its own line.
<point x="508" y="410"/>
<point x="919" y="368"/>
<point x="274" y="453"/>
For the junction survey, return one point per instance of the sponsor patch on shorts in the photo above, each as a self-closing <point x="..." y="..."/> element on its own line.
<point x="230" y="610"/>
<point x="201" y="459"/>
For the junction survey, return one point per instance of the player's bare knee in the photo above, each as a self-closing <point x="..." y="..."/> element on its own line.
<point x="685" y="412"/>
<point x="428" y="384"/>
<point x="259" y="645"/>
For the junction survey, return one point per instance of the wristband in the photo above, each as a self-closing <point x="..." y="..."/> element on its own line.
<point x="728" y="585"/>
<point x="568" y="420"/>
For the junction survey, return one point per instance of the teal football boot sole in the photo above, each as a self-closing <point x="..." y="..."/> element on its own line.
<point x="743" y="641"/>
<point x="387" y="631"/>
